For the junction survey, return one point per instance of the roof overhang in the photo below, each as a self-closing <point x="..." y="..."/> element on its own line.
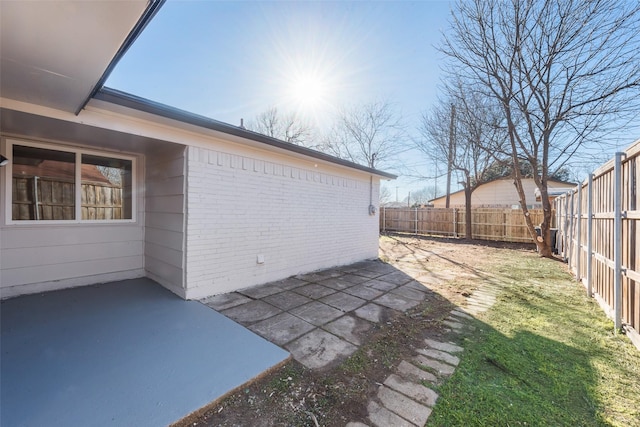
<point x="58" y="53"/>
<point x="109" y="98"/>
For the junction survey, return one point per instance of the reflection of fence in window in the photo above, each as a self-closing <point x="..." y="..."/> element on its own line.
<point x="101" y="201"/>
<point x="36" y="198"/>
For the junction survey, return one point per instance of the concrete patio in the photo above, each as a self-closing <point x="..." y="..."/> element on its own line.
<point x="322" y="317"/>
<point x="123" y="353"/>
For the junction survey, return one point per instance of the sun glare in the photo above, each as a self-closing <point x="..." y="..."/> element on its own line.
<point x="308" y="91"/>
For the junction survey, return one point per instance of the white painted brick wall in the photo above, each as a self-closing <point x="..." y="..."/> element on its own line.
<point x="301" y="216"/>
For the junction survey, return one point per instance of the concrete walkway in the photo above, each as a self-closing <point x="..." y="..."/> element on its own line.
<point x="323" y="317"/>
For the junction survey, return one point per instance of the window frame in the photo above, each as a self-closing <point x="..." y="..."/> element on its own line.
<point x="78" y="152"/>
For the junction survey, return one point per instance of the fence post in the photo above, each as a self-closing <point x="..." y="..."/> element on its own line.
<point x="571" y="248"/>
<point x="455" y="222"/>
<point x="617" y="248"/>
<point x="589" y="235"/>
<point x="579" y="234"/>
<point x="384" y="219"/>
<point x="565" y="226"/>
<point x="416" y="220"/>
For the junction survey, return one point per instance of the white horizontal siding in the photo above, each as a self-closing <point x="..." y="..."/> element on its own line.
<point x="36" y="257"/>
<point x="164" y="220"/>
<point x="300" y="216"/>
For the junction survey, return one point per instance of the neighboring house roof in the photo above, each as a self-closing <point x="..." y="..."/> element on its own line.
<point x="480" y="188"/>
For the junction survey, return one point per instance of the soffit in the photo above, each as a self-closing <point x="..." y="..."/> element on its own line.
<point x="53" y="53"/>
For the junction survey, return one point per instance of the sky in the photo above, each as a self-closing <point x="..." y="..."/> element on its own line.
<point x="229" y="60"/>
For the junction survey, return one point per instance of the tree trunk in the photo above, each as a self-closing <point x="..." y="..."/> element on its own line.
<point x="544" y="246"/>
<point x="467" y="210"/>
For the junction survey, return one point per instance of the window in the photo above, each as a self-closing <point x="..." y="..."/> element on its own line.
<point x="45" y="185"/>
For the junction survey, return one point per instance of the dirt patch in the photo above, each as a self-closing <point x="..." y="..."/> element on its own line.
<point x="293" y="395"/>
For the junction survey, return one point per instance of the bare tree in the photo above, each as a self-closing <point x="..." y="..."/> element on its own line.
<point x="385" y="195"/>
<point x="565" y="72"/>
<point x="370" y="134"/>
<point x="422" y="196"/>
<point x="471" y="140"/>
<point x="286" y="127"/>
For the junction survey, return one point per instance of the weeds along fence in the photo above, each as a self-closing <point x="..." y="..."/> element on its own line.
<point x="505" y="225"/>
<point x="598" y="236"/>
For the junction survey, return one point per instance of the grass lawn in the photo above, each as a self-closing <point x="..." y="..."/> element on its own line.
<point x="544" y="355"/>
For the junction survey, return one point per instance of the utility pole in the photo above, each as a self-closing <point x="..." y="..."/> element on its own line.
<point x="452" y="147"/>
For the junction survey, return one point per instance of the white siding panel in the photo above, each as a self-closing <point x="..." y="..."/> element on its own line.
<point x="164" y="221"/>
<point x="40" y="256"/>
<point x="24" y="257"/>
<point x="41" y="235"/>
<point x="301" y="217"/>
<point x="44" y="273"/>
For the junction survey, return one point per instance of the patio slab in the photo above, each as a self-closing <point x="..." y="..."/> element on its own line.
<point x="342" y="301"/>
<point x="251" y="312"/>
<point x="122" y="353"/>
<point x="352" y="329"/>
<point x="319" y="349"/>
<point x="282" y="328"/>
<point x="287" y="300"/>
<point x="316" y="313"/>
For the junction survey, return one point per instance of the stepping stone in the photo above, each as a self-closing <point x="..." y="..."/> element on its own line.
<point x="441" y="368"/>
<point x="225" y="301"/>
<point x="382" y="417"/>
<point x="282" y="328"/>
<point x="417" y="392"/>
<point x="400" y="404"/>
<point x="318" y="349"/>
<point x="439" y="355"/>
<point x="443" y="346"/>
<point x="371" y="312"/>
<point x="350" y="328"/>
<point x="461" y="314"/>
<point x="411" y="372"/>
<point x="454" y="325"/>
<point x="287" y="300"/>
<point x="356" y="424"/>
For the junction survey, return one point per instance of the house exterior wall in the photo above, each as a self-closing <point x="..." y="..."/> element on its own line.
<point x="297" y="215"/>
<point x="499" y="193"/>
<point x="37" y="257"/>
<point x="165" y="217"/>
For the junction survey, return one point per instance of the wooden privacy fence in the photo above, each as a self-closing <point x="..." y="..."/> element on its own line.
<point x="598" y="236"/>
<point x="505" y="225"/>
